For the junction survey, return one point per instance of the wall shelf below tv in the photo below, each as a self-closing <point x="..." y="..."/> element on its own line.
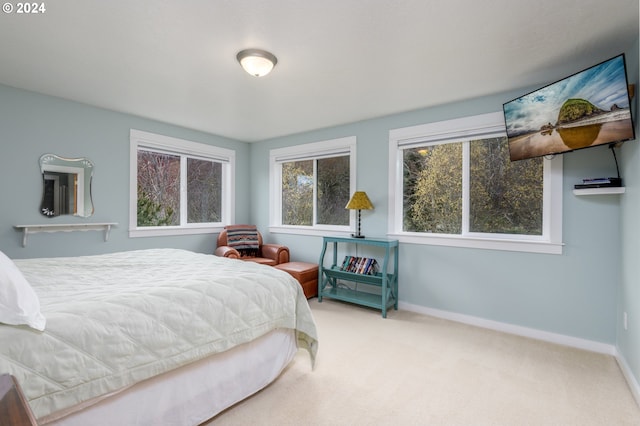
<point x="599" y="191"/>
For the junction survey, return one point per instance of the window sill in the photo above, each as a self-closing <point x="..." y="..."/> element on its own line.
<point x="530" y="246"/>
<point x="170" y="231"/>
<point x="314" y="231"/>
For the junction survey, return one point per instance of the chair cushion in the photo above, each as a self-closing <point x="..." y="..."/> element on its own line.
<point x="260" y="260"/>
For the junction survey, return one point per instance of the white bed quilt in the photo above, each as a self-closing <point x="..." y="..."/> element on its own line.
<point x="116" y="319"/>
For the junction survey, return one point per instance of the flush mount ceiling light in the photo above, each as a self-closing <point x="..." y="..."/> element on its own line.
<point x="257" y="62"/>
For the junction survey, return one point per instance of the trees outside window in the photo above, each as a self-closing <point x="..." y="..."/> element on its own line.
<point x="178" y="186"/>
<point x="311" y="185"/>
<point x="333" y="190"/>
<point x="297" y="193"/>
<point x="158" y="189"/>
<point x="458" y="187"/>
<point x="204" y="191"/>
<point x="504" y="197"/>
<point x="316" y="188"/>
<point x="433" y="189"/>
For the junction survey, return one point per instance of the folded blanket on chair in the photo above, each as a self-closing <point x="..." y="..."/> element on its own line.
<point x="243" y="238"/>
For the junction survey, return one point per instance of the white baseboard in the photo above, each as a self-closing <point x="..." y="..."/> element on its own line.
<point x="634" y="386"/>
<point x="533" y="333"/>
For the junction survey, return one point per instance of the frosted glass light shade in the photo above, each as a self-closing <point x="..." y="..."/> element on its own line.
<point x="257" y="62"/>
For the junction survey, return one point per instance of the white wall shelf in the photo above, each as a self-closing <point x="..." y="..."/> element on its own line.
<point x="599" y="191"/>
<point x="64" y="227"/>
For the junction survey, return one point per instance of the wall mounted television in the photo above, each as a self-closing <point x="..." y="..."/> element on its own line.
<point x="589" y="108"/>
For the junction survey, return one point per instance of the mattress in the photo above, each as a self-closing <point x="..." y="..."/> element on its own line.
<point x="119" y="319"/>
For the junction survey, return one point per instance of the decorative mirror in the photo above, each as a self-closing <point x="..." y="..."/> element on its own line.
<point x="66" y="186"/>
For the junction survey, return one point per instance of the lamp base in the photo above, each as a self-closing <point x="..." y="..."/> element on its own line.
<point x="357" y="235"/>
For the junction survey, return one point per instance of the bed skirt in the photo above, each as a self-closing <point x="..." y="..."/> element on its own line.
<point x="190" y="394"/>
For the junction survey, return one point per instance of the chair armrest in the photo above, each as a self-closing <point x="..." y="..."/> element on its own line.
<point x="276" y="252"/>
<point x="226" y="251"/>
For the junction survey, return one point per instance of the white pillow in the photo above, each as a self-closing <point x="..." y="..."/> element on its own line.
<point x="19" y="303"/>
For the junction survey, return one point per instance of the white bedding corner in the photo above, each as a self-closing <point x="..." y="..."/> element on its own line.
<point x="117" y="319"/>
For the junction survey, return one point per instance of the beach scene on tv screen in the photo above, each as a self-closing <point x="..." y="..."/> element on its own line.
<point x="587" y="109"/>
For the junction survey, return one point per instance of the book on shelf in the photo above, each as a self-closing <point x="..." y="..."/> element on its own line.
<point x="360" y="265"/>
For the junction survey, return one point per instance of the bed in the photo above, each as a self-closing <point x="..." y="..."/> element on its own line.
<point x="160" y="336"/>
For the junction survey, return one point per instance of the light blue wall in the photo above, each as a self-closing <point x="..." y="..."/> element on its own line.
<point x="573" y="294"/>
<point x="32" y="124"/>
<point x="629" y="292"/>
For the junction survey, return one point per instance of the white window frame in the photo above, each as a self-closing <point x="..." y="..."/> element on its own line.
<point x="310" y="151"/>
<point x="463" y="130"/>
<point x="160" y="143"/>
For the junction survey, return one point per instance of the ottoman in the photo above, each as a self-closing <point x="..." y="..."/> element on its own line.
<point x="305" y="273"/>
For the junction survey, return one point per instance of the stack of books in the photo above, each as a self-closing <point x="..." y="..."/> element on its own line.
<point x="599" y="183"/>
<point x="360" y="265"/>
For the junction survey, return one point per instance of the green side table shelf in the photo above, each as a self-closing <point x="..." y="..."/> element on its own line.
<point x="387" y="281"/>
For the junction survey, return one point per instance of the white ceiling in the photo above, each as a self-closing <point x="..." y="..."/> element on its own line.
<point x="339" y="61"/>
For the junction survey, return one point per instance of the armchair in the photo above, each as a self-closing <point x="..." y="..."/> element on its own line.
<point x="245" y="242"/>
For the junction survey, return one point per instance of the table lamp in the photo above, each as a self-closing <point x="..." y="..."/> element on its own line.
<point x="359" y="201"/>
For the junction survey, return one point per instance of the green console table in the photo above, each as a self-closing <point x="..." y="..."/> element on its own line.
<point x="387" y="281"/>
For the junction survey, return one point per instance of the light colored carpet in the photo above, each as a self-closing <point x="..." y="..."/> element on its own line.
<point x="411" y="369"/>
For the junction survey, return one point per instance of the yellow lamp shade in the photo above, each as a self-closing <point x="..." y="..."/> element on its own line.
<point x="359" y="201"/>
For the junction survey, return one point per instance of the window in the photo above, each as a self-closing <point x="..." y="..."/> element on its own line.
<point x="178" y="187"/>
<point x="453" y="184"/>
<point x="310" y="186"/>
